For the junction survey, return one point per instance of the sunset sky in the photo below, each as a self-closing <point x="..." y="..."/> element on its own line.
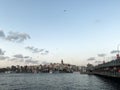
<point x="44" y="31"/>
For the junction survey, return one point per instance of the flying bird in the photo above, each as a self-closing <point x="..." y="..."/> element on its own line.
<point x="65" y="10"/>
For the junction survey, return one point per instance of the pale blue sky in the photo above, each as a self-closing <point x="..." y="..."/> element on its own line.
<point x="70" y="29"/>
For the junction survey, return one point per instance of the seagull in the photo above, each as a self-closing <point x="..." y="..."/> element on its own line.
<point x="65" y="10"/>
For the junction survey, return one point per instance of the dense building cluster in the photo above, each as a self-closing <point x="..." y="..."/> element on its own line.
<point x="49" y="68"/>
<point x="86" y="69"/>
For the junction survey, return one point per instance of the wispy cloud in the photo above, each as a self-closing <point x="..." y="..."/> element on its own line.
<point x="17" y="37"/>
<point x="2" y="34"/>
<point x="45" y="52"/>
<point x="31" y="61"/>
<point x="3" y="57"/>
<point x="45" y="62"/>
<point x="18" y="56"/>
<point x="91" y="59"/>
<point x="2" y="52"/>
<point x="33" y="49"/>
<point x="16" y="59"/>
<point x="114" y="51"/>
<point x="101" y="55"/>
<point x="98" y="62"/>
<point x="14" y="36"/>
<point x="27" y="57"/>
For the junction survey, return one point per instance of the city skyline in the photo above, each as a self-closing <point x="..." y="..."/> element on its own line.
<point x="79" y="32"/>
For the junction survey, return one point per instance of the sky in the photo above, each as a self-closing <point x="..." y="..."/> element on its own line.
<point x="44" y="31"/>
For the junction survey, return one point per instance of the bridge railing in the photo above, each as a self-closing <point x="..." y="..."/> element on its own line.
<point x="108" y="64"/>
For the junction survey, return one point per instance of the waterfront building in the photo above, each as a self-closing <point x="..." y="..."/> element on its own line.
<point x="83" y="69"/>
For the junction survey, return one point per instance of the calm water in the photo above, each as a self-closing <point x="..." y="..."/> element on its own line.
<point x="48" y="81"/>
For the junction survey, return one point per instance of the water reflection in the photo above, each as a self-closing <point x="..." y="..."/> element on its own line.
<point x="56" y="82"/>
<point x="110" y="82"/>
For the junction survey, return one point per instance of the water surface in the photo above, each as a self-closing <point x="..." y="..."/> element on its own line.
<point x="62" y="81"/>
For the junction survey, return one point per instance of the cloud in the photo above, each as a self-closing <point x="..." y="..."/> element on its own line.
<point x="29" y="48"/>
<point x="36" y="50"/>
<point x="18" y="56"/>
<point x="16" y="59"/>
<point x="14" y="36"/>
<point x="45" y="63"/>
<point x="101" y="55"/>
<point x="91" y="59"/>
<point x="12" y="59"/>
<point x="98" y="62"/>
<point x="45" y="52"/>
<point x="2" y="52"/>
<point x="26" y="57"/>
<point x="17" y="37"/>
<point x="2" y="35"/>
<point x="33" y="49"/>
<point x="30" y="61"/>
<point x="114" y="51"/>
<point x="3" y="57"/>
